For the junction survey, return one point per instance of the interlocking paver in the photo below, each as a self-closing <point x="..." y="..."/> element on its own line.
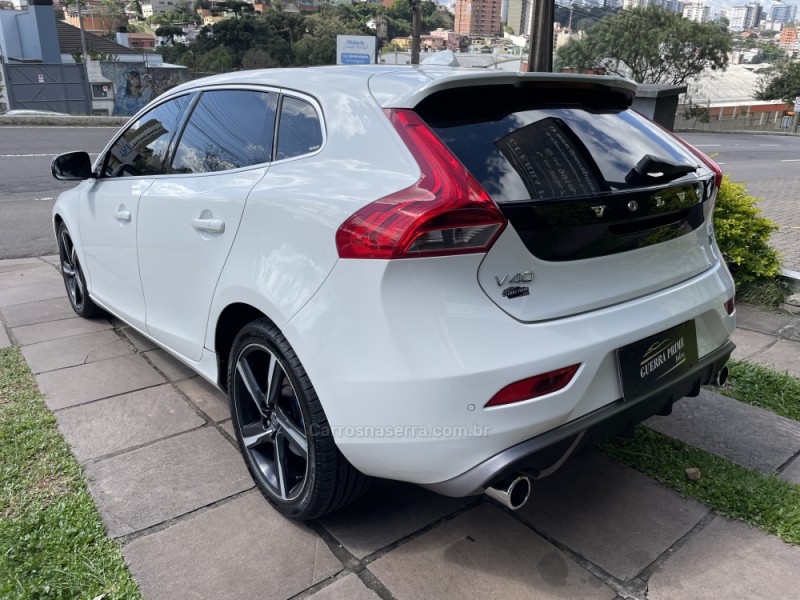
<point x="93" y="381"/>
<point x="781" y="204"/>
<point x="206" y="397"/>
<point x="484" y="553"/>
<point x="616" y="517"/>
<point x="114" y="424"/>
<point x="240" y="549"/>
<point x="75" y="350"/>
<point x="388" y="512"/>
<point x="147" y="486"/>
<point x="747" y="435"/>
<point x="38" y="312"/>
<point x="728" y="559"/>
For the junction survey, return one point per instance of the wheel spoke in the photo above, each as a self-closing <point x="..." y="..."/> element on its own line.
<point x="274" y="379"/>
<point x="297" y="440"/>
<point x="67" y="269"/>
<point x="253" y="389"/>
<point x="256" y="434"/>
<point x="280" y="465"/>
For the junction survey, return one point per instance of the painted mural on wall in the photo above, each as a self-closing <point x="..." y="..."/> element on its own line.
<point x="136" y="85"/>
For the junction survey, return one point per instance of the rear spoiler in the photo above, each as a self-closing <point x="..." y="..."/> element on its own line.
<point x="408" y="88"/>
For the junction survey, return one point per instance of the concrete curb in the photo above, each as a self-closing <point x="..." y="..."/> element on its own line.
<point x="67" y="120"/>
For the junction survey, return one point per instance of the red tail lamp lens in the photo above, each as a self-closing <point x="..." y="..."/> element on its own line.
<point x="533" y="387"/>
<point x="445" y="212"/>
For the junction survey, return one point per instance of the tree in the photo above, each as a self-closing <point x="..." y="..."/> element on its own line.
<point x="649" y="45"/>
<point x="782" y="84"/>
<point x="169" y="32"/>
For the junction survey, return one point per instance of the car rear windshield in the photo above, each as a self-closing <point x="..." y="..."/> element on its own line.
<point x="529" y="144"/>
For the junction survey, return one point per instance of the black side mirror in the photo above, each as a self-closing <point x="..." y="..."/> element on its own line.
<point x="72" y="166"/>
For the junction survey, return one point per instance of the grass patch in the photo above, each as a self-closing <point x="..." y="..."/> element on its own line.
<point x="765" y="502"/>
<point x="52" y="541"/>
<point x="765" y="388"/>
<point x="766" y="293"/>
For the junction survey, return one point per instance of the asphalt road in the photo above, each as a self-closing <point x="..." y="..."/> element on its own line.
<point x="751" y="157"/>
<point x="28" y="191"/>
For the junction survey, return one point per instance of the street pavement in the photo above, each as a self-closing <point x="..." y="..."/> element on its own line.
<point x="157" y="445"/>
<point x="769" y="166"/>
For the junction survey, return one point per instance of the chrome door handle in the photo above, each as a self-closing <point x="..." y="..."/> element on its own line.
<point x="122" y="215"/>
<point x="211" y="225"/>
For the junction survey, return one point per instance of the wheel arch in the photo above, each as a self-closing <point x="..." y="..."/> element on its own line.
<point x="230" y="321"/>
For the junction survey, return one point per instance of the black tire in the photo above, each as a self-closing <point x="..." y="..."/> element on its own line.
<point x="282" y="430"/>
<point x="74" y="280"/>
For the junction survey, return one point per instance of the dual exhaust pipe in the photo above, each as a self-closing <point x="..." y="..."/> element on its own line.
<point x="512" y="493"/>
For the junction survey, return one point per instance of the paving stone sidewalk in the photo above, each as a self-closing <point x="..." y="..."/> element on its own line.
<point x="781" y="203"/>
<point x="157" y="445"/>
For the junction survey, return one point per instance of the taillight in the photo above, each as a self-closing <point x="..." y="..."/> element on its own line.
<point x="445" y="212"/>
<point x="533" y="387"/>
<point x="708" y="162"/>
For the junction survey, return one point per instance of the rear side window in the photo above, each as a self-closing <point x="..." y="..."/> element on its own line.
<point x="299" y="131"/>
<point x="228" y="129"/>
<point x="142" y="149"/>
<point x="520" y="147"/>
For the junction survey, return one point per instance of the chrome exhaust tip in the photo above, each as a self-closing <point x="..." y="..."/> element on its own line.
<point x="512" y="493"/>
<point x="721" y="377"/>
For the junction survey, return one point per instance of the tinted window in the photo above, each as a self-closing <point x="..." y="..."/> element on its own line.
<point x="228" y="129"/>
<point x="142" y="149"/>
<point x="300" y="131"/>
<point x="540" y="151"/>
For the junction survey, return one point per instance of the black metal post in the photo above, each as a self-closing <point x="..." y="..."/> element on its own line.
<point x="540" y="59"/>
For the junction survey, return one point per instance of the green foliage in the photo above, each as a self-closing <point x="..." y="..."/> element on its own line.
<point x="743" y="235"/>
<point x="782" y="84"/>
<point x="278" y="39"/>
<point x="696" y="112"/>
<point x="765" y="388"/>
<point x="649" y="45"/>
<point x="768" y="503"/>
<point x="53" y="541"/>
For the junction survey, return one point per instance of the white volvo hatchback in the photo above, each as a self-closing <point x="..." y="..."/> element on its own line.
<point x="451" y="278"/>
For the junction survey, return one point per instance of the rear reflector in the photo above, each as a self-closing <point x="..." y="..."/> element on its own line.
<point x="533" y="387"/>
<point x="445" y="212"/>
<point x="730" y="306"/>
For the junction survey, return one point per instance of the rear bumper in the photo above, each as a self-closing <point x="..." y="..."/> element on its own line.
<point x="404" y="355"/>
<point x="541" y="452"/>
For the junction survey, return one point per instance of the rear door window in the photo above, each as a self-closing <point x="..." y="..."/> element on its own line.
<point x="228" y="129"/>
<point x="299" y="131"/>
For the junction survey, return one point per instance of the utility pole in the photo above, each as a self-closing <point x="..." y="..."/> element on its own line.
<point x="416" y="25"/>
<point x="83" y="33"/>
<point x="540" y="59"/>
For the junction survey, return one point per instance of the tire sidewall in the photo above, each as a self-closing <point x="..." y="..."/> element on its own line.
<point x="268" y="336"/>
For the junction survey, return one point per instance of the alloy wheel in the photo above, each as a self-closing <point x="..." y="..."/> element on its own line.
<point x="270" y="421"/>
<point x="70" y="268"/>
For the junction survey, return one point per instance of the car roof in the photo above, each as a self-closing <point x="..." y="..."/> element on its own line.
<point x="390" y="85"/>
